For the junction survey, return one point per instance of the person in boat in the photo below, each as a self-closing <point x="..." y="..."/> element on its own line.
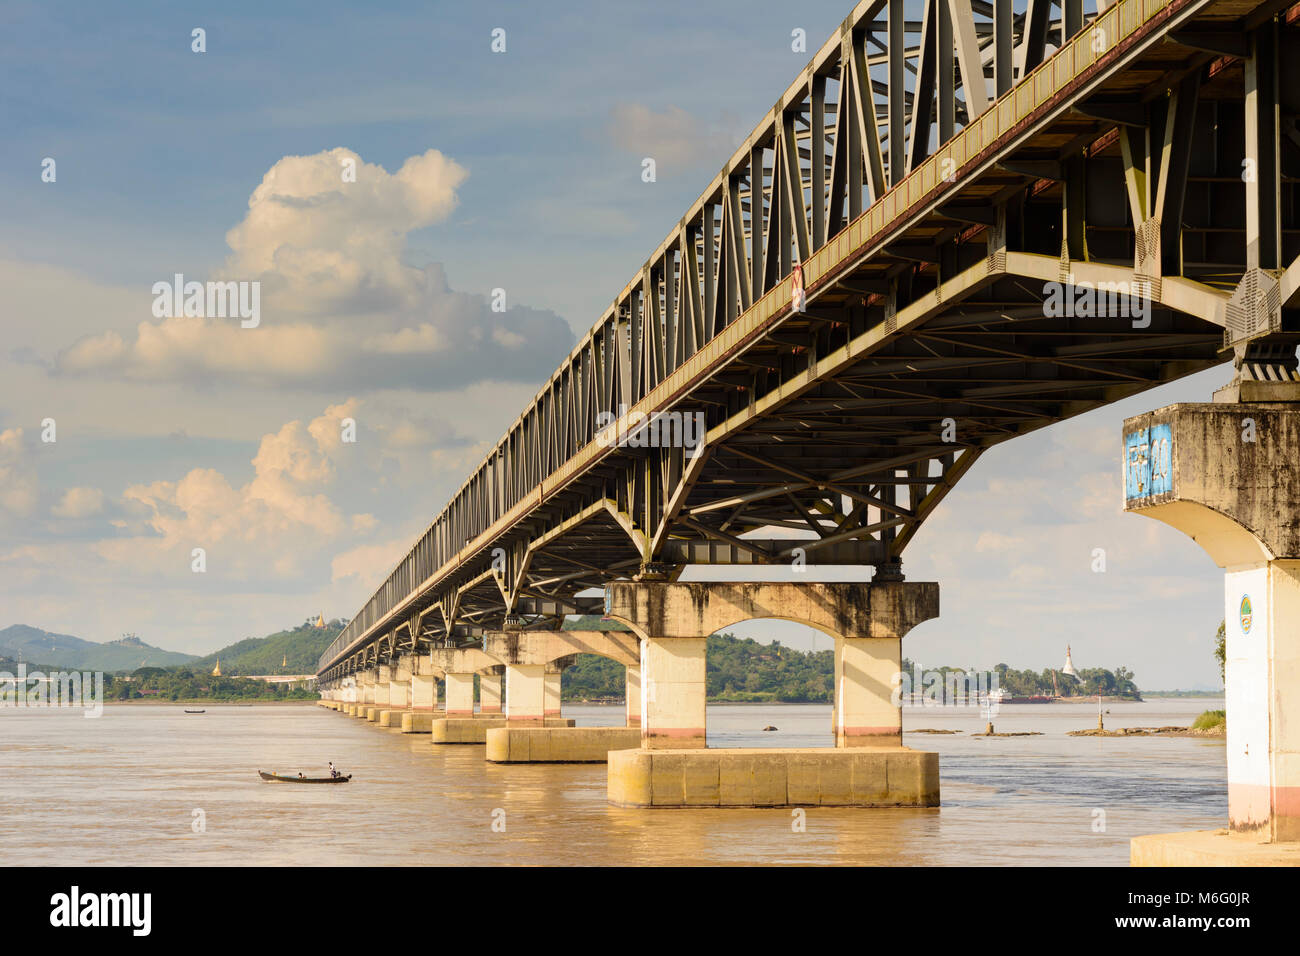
<point x="299" y="774"/>
<point x="333" y="772"/>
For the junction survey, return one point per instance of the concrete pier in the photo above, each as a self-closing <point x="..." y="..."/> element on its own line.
<point x="474" y="730"/>
<point x="460" y="695"/>
<point x="868" y="766"/>
<point x="526" y="692"/>
<point x="826" y="777"/>
<point x="418" y="722"/>
<point x="558" y="744"/>
<point x="1227" y="474"/>
<point x="424" y="693"/>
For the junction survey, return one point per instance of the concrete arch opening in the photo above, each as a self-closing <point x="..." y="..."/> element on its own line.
<point x="751" y="665"/>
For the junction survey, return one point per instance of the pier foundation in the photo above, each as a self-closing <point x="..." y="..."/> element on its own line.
<point x="1227" y="474"/>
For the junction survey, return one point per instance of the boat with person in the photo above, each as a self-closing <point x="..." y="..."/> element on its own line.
<point x="281" y="778"/>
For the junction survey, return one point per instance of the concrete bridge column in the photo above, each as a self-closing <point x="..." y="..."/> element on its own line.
<point x="460" y="695"/>
<point x="552" y="684"/>
<point x="399" y="685"/>
<point x="489" y="691"/>
<point x="673" y="693"/>
<point x="633" y="684"/>
<point x="1225" y="474"/>
<point x="424" y="692"/>
<point x="383" y="678"/>
<point x="366" y="684"/>
<point x="526" y="692"/>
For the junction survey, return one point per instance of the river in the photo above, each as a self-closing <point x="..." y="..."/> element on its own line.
<point x="148" y="784"/>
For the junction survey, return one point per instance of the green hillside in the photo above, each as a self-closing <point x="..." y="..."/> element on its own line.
<point x="302" y="646"/>
<point x="64" y="650"/>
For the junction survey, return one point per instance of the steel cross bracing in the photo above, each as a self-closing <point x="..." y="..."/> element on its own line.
<point x="930" y="176"/>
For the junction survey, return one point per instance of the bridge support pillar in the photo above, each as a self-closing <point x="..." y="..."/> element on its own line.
<point x="460" y="695"/>
<point x="1226" y="475"/>
<point x="383" y="678"/>
<point x="673" y="693"/>
<point x="398" y="691"/>
<point x="424" y="692"/>
<point x="526" y="692"/>
<point x="366" y="688"/>
<point x="633" y="684"/>
<point x="489" y="691"/>
<point x="551" y="688"/>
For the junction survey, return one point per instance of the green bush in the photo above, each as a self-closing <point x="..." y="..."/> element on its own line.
<point x="1211" y="719"/>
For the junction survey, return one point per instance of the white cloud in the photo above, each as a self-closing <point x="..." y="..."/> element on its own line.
<point x="273" y="525"/>
<point x="340" y="304"/>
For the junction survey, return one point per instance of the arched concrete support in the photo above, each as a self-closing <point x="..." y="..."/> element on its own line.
<point x="543" y="647"/>
<point x="1228" y="476"/>
<point x="674" y="620"/>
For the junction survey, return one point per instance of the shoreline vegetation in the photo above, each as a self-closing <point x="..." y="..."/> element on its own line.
<point x="743" y="671"/>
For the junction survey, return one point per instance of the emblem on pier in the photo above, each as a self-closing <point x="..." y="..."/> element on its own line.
<point x="1246" y="614"/>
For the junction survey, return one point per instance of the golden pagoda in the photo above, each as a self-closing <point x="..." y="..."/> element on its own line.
<point x="285" y="662"/>
<point x="216" y="671"/>
<point x="320" y="622"/>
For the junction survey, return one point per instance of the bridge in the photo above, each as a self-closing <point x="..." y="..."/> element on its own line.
<point x="947" y="232"/>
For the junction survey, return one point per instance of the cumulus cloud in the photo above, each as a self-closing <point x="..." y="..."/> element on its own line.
<point x="339" y="303"/>
<point x="272" y="525"/>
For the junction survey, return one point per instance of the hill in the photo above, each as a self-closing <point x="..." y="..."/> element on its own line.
<point x="301" y="647"/>
<point x="64" y="650"/>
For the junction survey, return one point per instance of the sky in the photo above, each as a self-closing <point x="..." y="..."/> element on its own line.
<point x="475" y="171"/>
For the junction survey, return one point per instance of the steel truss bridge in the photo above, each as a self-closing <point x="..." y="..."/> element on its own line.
<point x="930" y="178"/>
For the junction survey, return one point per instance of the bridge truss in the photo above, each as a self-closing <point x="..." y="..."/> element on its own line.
<point x="935" y="182"/>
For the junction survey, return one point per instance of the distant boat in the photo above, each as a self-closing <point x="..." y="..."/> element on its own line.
<point x="196" y="711"/>
<point x="280" y="778"/>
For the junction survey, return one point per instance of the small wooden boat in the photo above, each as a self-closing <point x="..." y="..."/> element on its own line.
<point x="280" y="778"/>
<point x="196" y="711"/>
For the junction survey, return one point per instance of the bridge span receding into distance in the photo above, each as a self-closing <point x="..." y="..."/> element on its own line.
<point x="947" y="232"/>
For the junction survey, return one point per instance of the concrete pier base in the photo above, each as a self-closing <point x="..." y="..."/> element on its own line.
<point x="473" y="730"/>
<point x="391" y="718"/>
<point x="1210" y="848"/>
<point x="419" y="722"/>
<point x="372" y="713"/>
<point x="815" y="777"/>
<point x="558" y="744"/>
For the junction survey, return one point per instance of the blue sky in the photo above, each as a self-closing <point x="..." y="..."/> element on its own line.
<point x="518" y="170"/>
